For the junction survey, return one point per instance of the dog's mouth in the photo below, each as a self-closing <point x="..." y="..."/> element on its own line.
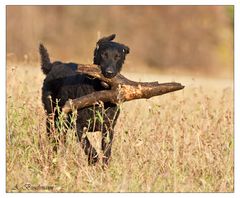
<point x="109" y="75"/>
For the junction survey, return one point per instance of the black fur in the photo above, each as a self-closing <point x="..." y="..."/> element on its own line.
<point x="110" y="56"/>
<point x="45" y="60"/>
<point x="63" y="83"/>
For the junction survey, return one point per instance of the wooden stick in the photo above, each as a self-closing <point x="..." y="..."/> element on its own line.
<point x="122" y="89"/>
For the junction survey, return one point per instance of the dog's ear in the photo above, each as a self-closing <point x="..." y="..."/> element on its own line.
<point x="106" y="39"/>
<point x="126" y="49"/>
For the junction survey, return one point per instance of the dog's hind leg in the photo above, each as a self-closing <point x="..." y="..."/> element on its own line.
<point x="89" y="150"/>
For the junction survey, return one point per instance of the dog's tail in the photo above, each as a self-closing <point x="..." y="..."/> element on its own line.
<point x="46" y="65"/>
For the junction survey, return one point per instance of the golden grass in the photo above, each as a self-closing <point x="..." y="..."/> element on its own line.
<point x="179" y="142"/>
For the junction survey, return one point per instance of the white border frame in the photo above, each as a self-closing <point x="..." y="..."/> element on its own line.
<point x="236" y="4"/>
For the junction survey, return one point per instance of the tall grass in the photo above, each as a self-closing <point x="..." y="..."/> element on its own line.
<point x="179" y="142"/>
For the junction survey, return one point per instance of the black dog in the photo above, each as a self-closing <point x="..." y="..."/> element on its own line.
<point x="63" y="83"/>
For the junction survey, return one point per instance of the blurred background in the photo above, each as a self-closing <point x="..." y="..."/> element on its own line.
<point x="166" y="39"/>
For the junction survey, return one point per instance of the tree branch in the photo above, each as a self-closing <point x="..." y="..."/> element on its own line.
<point x="122" y="89"/>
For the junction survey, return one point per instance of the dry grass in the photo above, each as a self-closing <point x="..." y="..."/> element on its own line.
<point x="179" y="142"/>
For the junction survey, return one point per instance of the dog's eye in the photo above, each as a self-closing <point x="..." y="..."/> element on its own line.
<point x="105" y="54"/>
<point x="117" y="56"/>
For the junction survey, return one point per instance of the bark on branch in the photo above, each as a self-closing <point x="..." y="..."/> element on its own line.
<point x="122" y="89"/>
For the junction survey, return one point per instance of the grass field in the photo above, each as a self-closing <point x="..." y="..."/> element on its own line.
<point x="178" y="142"/>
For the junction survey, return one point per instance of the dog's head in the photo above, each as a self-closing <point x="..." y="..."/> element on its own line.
<point x="110" y="56"/>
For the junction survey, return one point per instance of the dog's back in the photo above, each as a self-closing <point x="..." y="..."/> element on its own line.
<point x="63" y="82"/>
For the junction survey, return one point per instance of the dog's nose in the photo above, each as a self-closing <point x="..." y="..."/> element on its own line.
<point x="109" y="71"/>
